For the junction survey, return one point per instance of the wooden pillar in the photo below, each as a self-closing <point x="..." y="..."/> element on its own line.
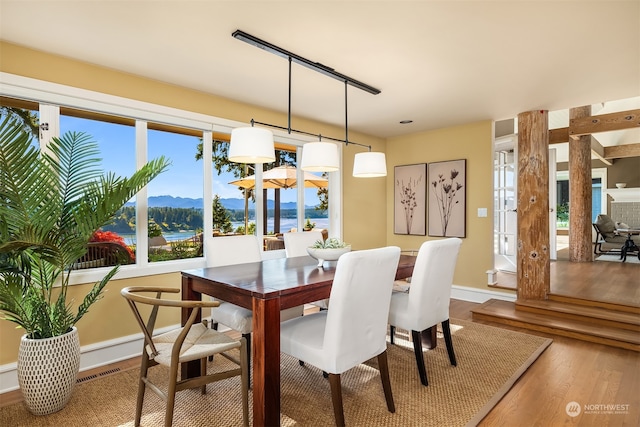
<point x="533" y="205"/>
<point x="580" y="249"/>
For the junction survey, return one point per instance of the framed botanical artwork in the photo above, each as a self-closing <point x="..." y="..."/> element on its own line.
<point x="447" y="197"/>
<point x="410" y="199"/>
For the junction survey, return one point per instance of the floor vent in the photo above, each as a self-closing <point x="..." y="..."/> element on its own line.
<point x="98" y="375"/>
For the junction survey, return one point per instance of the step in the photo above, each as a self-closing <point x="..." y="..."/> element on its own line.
<point x="590" y="303"/>
<point x="588" y="314"/>
<point x="505" y="312"/>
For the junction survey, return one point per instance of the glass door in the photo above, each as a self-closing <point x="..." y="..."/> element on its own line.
<point x="505" y="209"/>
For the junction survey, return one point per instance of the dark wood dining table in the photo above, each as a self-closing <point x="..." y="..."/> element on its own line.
<point x="266" y="287"/>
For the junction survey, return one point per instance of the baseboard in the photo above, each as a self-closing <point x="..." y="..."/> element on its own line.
<point x="123" y="348"/>
<point x="465" y="293"/>
<point x="91" y="356"/>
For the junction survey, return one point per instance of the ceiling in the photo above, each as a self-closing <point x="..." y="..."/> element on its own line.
<point x="437" y="63"/>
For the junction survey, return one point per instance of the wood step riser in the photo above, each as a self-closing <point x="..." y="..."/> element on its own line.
<point x="600" y="304"/>
<point x="557" y="331"/>
<point x="579" y="317"/>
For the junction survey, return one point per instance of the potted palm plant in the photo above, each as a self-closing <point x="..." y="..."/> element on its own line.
<point x="51" y="203"/>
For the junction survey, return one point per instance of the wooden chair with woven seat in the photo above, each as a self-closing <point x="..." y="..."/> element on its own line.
<point x="191" y="342"/>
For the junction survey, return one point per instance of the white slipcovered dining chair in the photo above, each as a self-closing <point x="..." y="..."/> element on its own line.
<point x="296" y="244"/>
<point x="194" y="341"/>
<point x="354" y="329"/>
<point x="230" y="250"/>
<point x="427" y="302"/>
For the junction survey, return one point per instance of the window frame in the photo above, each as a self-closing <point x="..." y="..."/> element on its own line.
<point x="52" y="97"/>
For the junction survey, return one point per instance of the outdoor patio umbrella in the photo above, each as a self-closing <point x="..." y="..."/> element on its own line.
<point x="282" y="177"/>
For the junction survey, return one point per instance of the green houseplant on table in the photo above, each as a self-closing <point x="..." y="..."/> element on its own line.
<point x="50" y="205"/>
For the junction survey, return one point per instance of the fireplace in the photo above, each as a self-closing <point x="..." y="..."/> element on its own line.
<point x="625" y="205"/>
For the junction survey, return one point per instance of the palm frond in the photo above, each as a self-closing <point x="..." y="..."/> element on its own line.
<point x="50" y="205"/>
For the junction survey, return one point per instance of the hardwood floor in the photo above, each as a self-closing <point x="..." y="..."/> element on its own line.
<point x="610" y="282"/>
<point x="568" y="371"/>
<point x="571" y="370"/>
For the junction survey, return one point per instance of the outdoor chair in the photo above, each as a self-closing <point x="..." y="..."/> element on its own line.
<point x="103" y="254"/>
<point x="191" y="342"/>
<point x="230" y="250"/>
<point x="354" y="330"/>
<point x="296" y="244"/>
<point x="606" y="234"/>
<point x="427" y="302"/>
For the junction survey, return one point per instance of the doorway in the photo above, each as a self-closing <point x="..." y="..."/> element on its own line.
<point x="505" y="203"/>
<point x="505" y="211"/>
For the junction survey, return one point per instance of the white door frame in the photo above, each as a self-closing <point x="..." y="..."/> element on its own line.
<point x="505" y="209"/>
<point x="553" y="202"/>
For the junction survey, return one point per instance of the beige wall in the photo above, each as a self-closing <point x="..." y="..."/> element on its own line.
<point x="367" y="217"/>
<point x="472" y="142"/>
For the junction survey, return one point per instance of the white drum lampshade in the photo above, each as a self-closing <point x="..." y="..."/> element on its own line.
<point x="251" y="145"/>
<point x="369" y="164"/>
<point x="320" y="157"/>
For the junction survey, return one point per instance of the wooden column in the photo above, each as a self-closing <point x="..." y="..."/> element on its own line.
<point x="580" y="192"/>
<point x="533" y="205"/>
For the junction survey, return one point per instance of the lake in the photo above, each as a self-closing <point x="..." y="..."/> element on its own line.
<point x="286" y="224"/>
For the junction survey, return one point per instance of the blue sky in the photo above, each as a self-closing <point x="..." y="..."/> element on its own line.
<point x="184" y="178"/>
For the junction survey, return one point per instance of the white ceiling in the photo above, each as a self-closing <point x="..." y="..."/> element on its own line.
<point x="437" y="63"/>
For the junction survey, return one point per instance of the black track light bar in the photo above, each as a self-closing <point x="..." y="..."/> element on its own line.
<point x="317" y="135"/>
<point x="316" y="66"/>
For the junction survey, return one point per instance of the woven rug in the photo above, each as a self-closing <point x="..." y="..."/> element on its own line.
<point x="490" y="360"/>
<point x="632" y="258"/>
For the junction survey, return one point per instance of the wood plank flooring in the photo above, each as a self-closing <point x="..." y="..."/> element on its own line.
<point x="596" y="301"/>
<point x="569" y="370"/>
<point x="606" y="282"/>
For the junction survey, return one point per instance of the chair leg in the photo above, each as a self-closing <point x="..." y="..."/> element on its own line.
<point x="416" y="336"/>
<point x="171" y="394"/>
<point x="144" y="369"/>
<point x="386" y="381"/>
<point x="244" y="366"/>
<point x="336" y="399"/>
<point x="203" y="372"/>
<point x="214" y="326"/>
<point x="392" y="332"/>
<point x="446" y="330"/>
<point x="247" y="337"/>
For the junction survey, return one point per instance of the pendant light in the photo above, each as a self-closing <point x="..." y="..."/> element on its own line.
<point x="369" y="164"/>
<point x="251" y="145"/>
<point x="320" y="157"/>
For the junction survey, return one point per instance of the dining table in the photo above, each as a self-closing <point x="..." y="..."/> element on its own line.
<point x="266" y="287"/>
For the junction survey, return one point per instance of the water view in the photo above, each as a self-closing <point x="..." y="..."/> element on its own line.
<point x="286" y="224"/>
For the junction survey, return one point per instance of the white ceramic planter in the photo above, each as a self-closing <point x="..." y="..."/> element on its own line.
<point x="47" y="371"/>
<point x="329" y="254"/>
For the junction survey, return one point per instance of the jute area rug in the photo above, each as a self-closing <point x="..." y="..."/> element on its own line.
<point x="490" y="360"/>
